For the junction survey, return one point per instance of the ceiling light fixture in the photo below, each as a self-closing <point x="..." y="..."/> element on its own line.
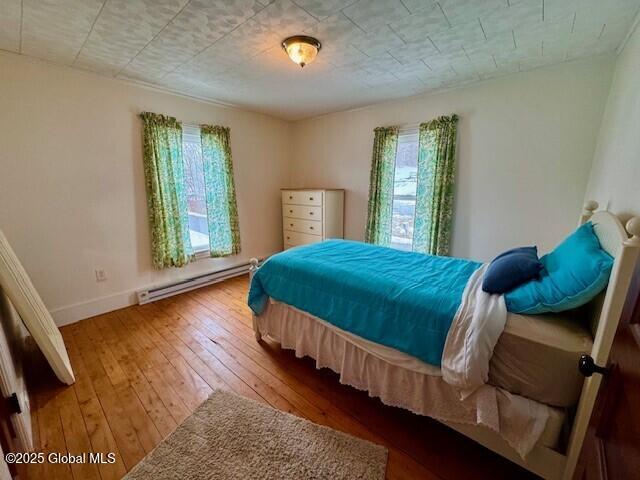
<point x="301" y="49"/>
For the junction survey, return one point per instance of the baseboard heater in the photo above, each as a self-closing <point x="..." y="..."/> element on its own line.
<point x="156" y="293"/>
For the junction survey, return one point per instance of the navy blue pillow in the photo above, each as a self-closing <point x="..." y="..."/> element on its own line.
<point x="510" y="269"/>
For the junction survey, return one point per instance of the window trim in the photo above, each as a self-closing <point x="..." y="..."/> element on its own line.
<point x="201" y="254"/>
<point x="196" y="251"/>
<point x="408" y="136"/>
<point x="192" y="133"/>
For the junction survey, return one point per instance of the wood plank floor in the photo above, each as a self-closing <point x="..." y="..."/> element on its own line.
<point x="142" y="370"/>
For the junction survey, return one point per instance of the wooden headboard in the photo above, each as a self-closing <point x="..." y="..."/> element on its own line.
<point x="624" y="246"/>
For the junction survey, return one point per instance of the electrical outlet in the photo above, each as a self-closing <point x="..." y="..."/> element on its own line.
<point x="101" y="275"/>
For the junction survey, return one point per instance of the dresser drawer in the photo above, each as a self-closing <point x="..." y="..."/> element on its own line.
<point x="296" y="238"/>
<point x="303" y="226"/>
<point x="302" y="212"/>
<point x="301" y="197"/>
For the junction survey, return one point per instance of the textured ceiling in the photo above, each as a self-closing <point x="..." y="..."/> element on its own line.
<point x="373" y="50"/>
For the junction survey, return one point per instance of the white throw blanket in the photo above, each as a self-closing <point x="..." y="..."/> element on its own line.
<point x="474" y="332"/>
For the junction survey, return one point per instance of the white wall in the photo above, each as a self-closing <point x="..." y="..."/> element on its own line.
<point x="526" y="143"/>
<point x="615" y="176"/>
<point x="72" y="192"/>
<point x="72" y="195"/>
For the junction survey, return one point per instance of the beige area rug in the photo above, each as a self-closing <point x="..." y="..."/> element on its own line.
<point x="232" y="437"/>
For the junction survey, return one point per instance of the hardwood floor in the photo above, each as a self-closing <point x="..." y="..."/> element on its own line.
<point x="142" y="370"/>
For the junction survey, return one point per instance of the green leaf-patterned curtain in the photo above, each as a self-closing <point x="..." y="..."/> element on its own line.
<point x="380" y="206"/>
<point x="166" y="197"/>
<point x="434" y="194"/>
<point x="222" y="210"/>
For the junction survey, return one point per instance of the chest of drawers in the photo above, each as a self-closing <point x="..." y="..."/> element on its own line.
<point x="311" y="215"/>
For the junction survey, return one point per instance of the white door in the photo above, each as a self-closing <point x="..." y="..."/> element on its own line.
<point x="5" y="474"/>
<point x="23" y="296"/>
<point x="12" y="337"/>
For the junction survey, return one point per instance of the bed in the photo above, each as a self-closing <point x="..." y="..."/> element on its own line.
<point x="518" y="404"/>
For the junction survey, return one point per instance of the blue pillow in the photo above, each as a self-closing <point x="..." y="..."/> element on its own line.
<point x="574" y="273"/>
<point x="510" y="269"/>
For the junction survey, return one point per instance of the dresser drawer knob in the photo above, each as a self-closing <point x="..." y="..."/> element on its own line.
<point x="311" y="198"/>
<point x="310" y="228"/>
<point x="288" y="238"/>
<point x="290" y="211"/>
<point x="290" y="197"/>
<point x="291" y="224"/>
<point x="310" y="213"/>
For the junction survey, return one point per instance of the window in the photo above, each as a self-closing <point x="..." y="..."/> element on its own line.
<point x="404" y="191"/>
<point x="196" y="197"/>
<point x="190" y="191"/>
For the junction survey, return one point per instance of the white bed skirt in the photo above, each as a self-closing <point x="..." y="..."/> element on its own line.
<point x="401" y="380"/>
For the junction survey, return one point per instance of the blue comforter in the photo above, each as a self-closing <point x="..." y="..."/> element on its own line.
<point x="403" y="300"/>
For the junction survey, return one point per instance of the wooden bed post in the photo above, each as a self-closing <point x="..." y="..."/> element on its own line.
<point x="253" y="268"/>
<point x="587" y="211"/>
<point x="607" y="326"/>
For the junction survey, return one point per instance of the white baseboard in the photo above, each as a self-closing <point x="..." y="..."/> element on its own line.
<point x="79" y="311"/>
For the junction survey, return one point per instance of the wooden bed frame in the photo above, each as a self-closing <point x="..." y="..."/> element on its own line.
<point x="624" y="246"/>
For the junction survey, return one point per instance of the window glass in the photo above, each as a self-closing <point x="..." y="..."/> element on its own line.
<point x="404" y="192"/>
<point x="194" y="177"/>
